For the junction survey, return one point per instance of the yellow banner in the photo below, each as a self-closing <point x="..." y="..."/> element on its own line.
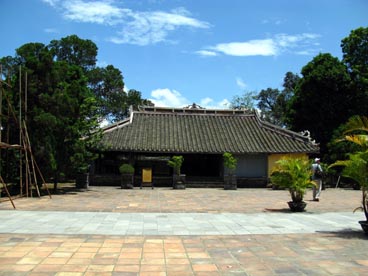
<point x="147" y="175"/>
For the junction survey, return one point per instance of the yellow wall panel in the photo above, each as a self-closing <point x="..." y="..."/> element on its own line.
<point x="147" y="175"/>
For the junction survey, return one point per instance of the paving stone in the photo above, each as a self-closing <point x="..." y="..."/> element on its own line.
<point x="191" y="232"/>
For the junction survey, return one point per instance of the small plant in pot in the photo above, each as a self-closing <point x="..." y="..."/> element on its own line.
<point x="356" y="168"/>
<point x="230" y="163"/>
<point x="127" y="176"/>
<point x="178" y="179"/>
<point x="293" y="174"/>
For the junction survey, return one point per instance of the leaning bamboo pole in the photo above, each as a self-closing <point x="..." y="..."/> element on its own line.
<point x="29" y="149"/>
<point x="7" y="191"/>
<point x="20" y="136"/>
<point x="31" y="168"/>
<point x="43" y="180"/>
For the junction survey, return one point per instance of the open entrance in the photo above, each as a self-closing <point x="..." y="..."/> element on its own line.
<point x="202" y="165"/>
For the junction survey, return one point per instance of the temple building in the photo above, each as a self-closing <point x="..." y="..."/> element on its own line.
<point x="152" y="135"/>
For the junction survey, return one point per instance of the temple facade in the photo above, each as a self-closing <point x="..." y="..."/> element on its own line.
<point x="152" y="135"/>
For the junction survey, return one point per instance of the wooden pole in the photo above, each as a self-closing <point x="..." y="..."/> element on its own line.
<point x="43" y="180"/>
<point x="25" y="98"/>
<point x="1" y="109"/>
<point x="28" y="145"/>
<point x="20" y="135"/>
<point x="1" y="103"/>
<point x="28" y="178"/>
<point x="7" y="191"/>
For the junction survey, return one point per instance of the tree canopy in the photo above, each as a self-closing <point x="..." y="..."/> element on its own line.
<point x="323" y="99"/>
<point x="327" y="93"/>
<point x="67" y="97"/>
<point x="355" y="57"/>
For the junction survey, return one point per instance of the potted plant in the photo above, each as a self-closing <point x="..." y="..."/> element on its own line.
<point x="356" y="168"/>
<point x="230" y="163"/>
<point x="178" y="179"/>
<point x="81" y="179"/>
<point x="293" y="174"/>
<point x="127" y="176"/>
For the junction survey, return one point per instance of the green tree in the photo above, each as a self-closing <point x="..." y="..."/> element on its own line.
<point x="67" y="97"/>
<point x="355" y="56"/>
<point x="108" y="86"/>
<point x="60" y="109"/>
<point x="75" y="51"/>
<point x="290" y="84"/>
<point x="246" y="101"/>
<point x="323" y="99"/>
<point x="273" y="103"/>
<point x="269" y="105"/>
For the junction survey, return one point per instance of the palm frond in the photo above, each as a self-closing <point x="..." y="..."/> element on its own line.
<point x="357" y="123"/>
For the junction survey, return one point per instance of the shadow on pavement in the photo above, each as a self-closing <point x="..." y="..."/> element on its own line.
<point x="346" y="234"/>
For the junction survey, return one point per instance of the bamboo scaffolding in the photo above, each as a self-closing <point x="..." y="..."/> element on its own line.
<point x="27" y="163"/>
<point x="3" y="145"/>
<point x="27" y="146"/>
<point x="7" y="191"/>
<point x="20" y="135"/>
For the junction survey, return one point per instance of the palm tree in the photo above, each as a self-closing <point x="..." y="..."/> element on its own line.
<point x="357" y="131"/>
<point x="356" y="167"/>
<point x="293" y="174"/>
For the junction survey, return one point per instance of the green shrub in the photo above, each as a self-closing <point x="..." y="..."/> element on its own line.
<point x="293" y="174"/>
<point x="126" y="169"/>
<point x="230" y="162"/>
<point x="175" y="162"/>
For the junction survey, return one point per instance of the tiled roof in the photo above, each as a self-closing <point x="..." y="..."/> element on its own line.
<point x="205" y="131"/>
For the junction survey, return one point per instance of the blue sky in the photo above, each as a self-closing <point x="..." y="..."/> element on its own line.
<point x="177" y="52"/>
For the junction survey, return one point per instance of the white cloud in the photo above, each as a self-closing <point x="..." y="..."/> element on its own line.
<point x="264" y="47"/>
<point x="99" y="12"/>
<point x="206" y="53"/>
<point x="206" y="101"/>
<point x="241" y="83"/>
<point x="51" y="31"/>
<point x="143" y="28"/>
<point x="285" y="40"/>
<point x="303" y="43"/>
<point x="51" y="2"/>
<point x="165" y="97"/>
<point x="209" y="103"/>
<point x="135" y="27"/>
<point x="168" y="98"/>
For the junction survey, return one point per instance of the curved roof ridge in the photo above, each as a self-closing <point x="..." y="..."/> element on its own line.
<point x="194" y="109"/>
<point x="152" y="131"/>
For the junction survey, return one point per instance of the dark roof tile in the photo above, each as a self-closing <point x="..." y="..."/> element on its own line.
<point x="202" y="133"/>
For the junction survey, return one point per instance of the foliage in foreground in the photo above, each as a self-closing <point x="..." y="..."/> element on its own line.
<point x="293" y="174"/>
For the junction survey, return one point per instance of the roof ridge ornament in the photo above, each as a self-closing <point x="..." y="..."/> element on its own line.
<point x="306" y="134"/>
<point x="194" y="106"/>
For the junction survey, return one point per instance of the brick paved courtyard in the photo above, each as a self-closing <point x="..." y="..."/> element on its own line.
<point x="167" y="200"/>
<point x="343" y="252"/>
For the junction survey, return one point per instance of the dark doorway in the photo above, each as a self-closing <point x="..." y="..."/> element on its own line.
<point x="202" y="165"/>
